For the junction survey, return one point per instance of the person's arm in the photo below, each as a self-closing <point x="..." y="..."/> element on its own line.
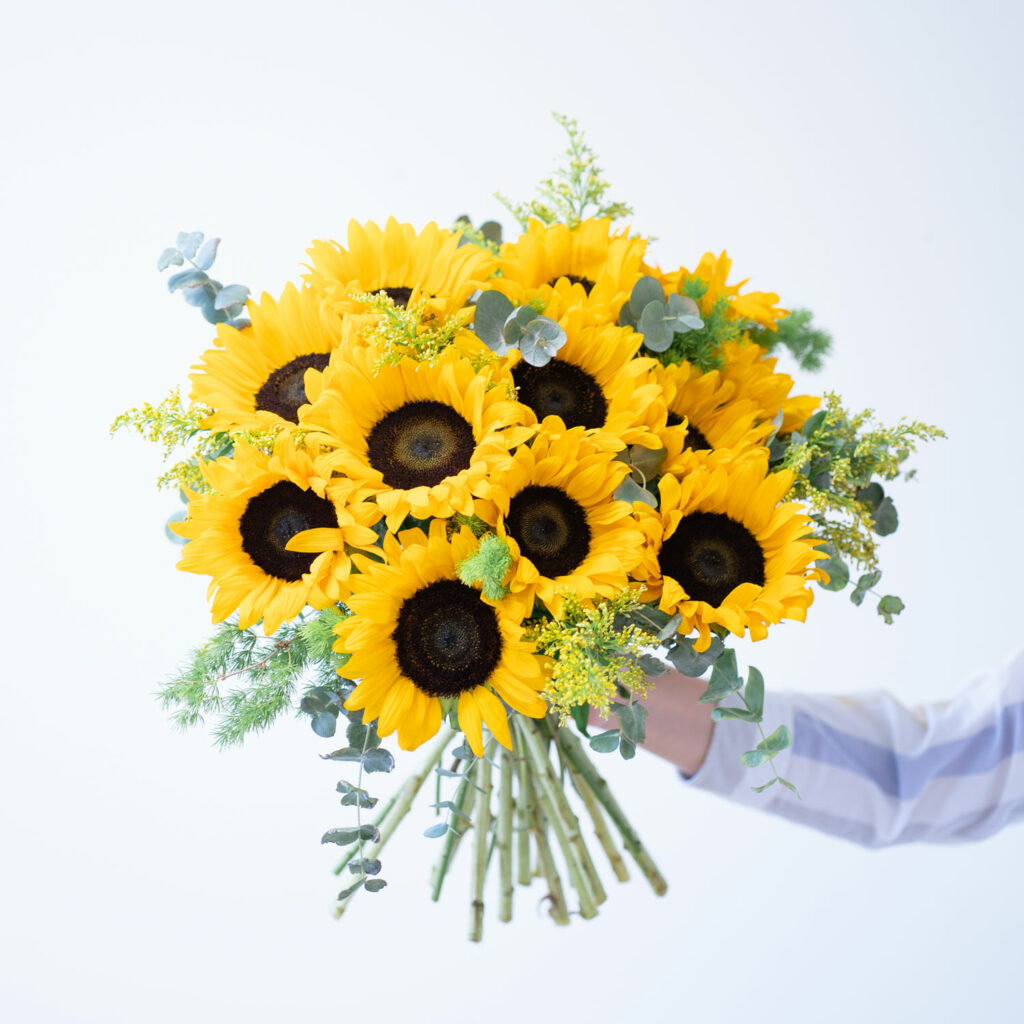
<point x="868" y="768"/>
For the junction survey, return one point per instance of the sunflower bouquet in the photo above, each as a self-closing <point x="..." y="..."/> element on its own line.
<point x="471" y="493"/>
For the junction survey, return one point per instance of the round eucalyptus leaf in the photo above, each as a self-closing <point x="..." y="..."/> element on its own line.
<point x="645" y="291"/>
<point x="885" y="519"/>
<point x="491" y="312"/>
<point x="516" y="323"/>
<point x="629" y="490"/>
<point x="541" y="341"/>
<point x="686" y="313"/>
<point x="655" y="327"/>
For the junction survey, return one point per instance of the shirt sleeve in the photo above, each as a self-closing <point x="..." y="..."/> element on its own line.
<point x="875" y="772"/>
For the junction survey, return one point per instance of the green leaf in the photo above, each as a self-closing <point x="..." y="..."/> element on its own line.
<point x="632" y="720"/>
<point x="670" y="627"/>
<point x="489" y="316"/>
<point x="364" y="865"/>
<point x="169" y="258"/>
<point x="629" y="490"/>
<point x="605" y="742"/>
<point x="689" y="662"/>
<point x="656" y="327"/>
<point x="541" y="341"/>
<point x="354" y="887"/>
<point x="325" y="723"/>
<point x="647" y="460"/>
<point x="651" y="666"/>
<point x="436" y="831"/>
<point x="344" y="754"/>
<point x="353" y="796"/>
<point x="378" y="760"/>
<point x="776" y="742"/>
<point x="724" y="679"/>
<point x="890" y="606"/>
<point x="885" y="519"/>
<point x="516" y="323"/>
<point x="464" y="752"/>
<point x="347" y="836"/>
<point x="871" y="495"/>
<point x="375" y="884"/>
<point x="770" y="782"/>
<point x="686" y="313"/>
<point x="581" y="716"/>
<point x="645" y="291"/>
<point x="754" y="692"/>
<point x="627" y="748"/>
<point x="753" y="758"/>
<point x="837" y="569"/>
<point x="812" y="423"/>
<point x="740" y="714"/>
<point x="789" y="785"/>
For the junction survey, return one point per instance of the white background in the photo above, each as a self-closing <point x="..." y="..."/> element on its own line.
<point x="863" y="159"/>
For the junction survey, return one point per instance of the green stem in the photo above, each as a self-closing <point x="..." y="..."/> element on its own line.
<point x="601" y="830"/>
<point x="548" y="794"/>
<point x="483" y="827"/>
<point x="524" y="813"/>
<point x="557" y="909"/>
<point x="504" y="837"/>
<point x="464" y="801"/>
<point x="573" y="750"/>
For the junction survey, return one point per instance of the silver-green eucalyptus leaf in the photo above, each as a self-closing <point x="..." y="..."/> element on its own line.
<point x="541" y="341"/>
<point x="645" y="291"/>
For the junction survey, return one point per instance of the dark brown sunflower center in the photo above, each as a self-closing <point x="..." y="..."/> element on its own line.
<point x="561" y="389"/>
<point x="447" y="640"/>
<point x="694" y="438"/>
<point x="273" y="517"/>
<point x="284" y="390"/>
<point x="585" y="281"/>
<point x="550" y="528"/>
<point x="399" y="296"/>
<point x="710" y="554"/>
<point x="419" y="444"/>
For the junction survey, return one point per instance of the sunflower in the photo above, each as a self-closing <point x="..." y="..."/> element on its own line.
<point x="754" y="377"/>
<point x="703" y="416"/>
<point x="422" y="642"/>
<point x="257" y="379"/>
<point x="587" y="266"/>
<point x="594" y="382"/>
<point x="245" y="535"/>
<point x="722" y="550"/>
<point x="419" y="438"/>
<point x="554" y="506"/>
<point x="406" y="265"/>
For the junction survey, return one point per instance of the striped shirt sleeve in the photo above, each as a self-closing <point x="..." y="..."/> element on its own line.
<point x="876" y="772"/>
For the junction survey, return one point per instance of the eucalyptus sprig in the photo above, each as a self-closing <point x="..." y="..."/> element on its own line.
<point x="218" y="303"/>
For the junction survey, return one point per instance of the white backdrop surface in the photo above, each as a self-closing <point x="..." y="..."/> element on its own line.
<point x="861" y="159"/>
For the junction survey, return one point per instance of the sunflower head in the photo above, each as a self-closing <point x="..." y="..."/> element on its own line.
<point x="275" y="535"/>
<point x="404" y="264"/>
<point x="257" y="378"/>
<point x="725" y="550"/>
<point x="555" y="507"/>
<point x="424" y="644"/>
<point x="704" y="417"/>
<point x="596" y="383"/>
<point x="417" y="438"/>
<point x="588" y="267"/>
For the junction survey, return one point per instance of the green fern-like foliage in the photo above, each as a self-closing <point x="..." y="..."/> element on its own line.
<point x="809" y="345"/>
<point x="246" y="680"/>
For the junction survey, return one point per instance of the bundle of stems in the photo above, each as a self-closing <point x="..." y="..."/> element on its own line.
<point x="516" y="805"/>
